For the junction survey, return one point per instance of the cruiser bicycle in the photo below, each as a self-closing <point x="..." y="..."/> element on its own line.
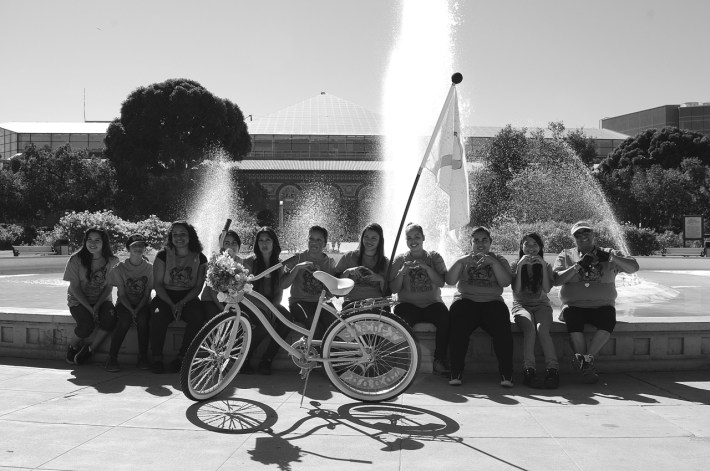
<point x="368" y="353"/>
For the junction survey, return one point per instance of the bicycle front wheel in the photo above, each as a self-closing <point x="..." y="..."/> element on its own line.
<point x="388" y="365"/>
<point x="210" y="365"/>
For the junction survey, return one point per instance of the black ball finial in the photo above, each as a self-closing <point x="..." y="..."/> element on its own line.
<point x="457" y="78"/>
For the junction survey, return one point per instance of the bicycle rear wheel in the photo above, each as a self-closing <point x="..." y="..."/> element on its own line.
<point x="209" y="367"/>
<point x="389" y="365"/>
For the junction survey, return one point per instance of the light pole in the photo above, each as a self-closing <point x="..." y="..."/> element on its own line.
<point x="281" y="215"/>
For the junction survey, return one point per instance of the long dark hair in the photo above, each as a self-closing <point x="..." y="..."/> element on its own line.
<point x="234" y="235"/>
<point x="194" y="245"/>
<point x="526" y="282"/>
<point x="85" y="256"/>
<point x="260" y="264"/>
<point x="380" y="251"/>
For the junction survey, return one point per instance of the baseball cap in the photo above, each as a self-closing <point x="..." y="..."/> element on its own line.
<point x="579" y="225"/>
<point x="135" y="239"/>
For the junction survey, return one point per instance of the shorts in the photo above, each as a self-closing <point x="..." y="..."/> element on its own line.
<point x="603" y="318"/>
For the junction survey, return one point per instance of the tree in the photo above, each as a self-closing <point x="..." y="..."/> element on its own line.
<point x="666" y="147"/>
<point x="164" y="130"/>
<point x="64" y="180"/>
<point x="582" y="145"/>
<point x="657" y="176"/>
<point x="12" y="207"/>
<point x="503" y="157"/>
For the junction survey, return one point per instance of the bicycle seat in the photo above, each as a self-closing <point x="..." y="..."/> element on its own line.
<point x="337" y="286"/>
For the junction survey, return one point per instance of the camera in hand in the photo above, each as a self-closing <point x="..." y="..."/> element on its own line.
<point x="603" y="255"/>
<point x="586" y="261"/>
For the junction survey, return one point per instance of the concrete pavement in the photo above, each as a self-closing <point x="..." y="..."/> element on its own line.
<point x="57" y="417"/>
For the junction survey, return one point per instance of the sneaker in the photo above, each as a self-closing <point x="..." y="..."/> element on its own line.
<point x="175" y="365"/>
<point x="265" y="367"/>
<point x="506" y="381"/>
<point x="157" y="367"/>
<point x="440" y="368"/>
<point x="589" y="372"/>
<point x="529" y="376"/>
<point x="71" y="353"/>
<point x="552" y="378"/>
<point x="143" y="363"/>
<point x="83" y="355"/>
<point x="578" y="361"/>
<point x="455" y="380"/>
<point x="247" y="368"/>
<point x="112" y="365"/>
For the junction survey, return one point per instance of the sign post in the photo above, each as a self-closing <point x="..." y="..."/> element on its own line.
<point x="693" y="229"/>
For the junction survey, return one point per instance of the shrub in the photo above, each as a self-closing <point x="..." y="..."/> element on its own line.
<point x="153" y="229"/>
<point x="641" y="240"/>
<point x="10" y="235"/>
<point x="669" y="239"/>
<point x="73" y="225"/>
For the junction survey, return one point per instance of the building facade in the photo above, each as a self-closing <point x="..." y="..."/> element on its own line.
<point x="15" y="137"/>
<point x="693" y="116"/>
<point x="323" y="141"/>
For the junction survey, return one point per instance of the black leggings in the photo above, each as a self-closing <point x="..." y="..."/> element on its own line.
<point x="160" y="320"/>
<point x="494" y="318"/>
<point x="436" y="314"/>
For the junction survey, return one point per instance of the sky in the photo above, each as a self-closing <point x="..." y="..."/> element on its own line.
<point x="524" y="62"/>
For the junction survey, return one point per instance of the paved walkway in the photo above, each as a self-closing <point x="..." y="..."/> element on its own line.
<point x="57" y="417"/>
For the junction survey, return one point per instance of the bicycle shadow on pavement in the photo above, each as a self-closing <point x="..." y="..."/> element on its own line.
<point x="395" y="427"/>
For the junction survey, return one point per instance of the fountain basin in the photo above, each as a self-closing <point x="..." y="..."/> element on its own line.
<point x="664" y="326"/>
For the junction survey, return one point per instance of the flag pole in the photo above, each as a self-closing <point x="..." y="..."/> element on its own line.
<point x="455" y="80"/>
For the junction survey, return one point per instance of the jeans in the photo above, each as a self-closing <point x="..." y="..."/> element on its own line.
<point x="259" y="333"/>
<point x="85" y="319"/>
<point x="125" y="319"/>
<point x="528" y="319"/>
<point x="305" y="311"/>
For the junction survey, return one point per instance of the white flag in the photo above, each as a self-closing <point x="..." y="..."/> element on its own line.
<point x="446" y="159"/>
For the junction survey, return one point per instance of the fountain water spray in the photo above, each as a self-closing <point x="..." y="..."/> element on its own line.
<point x="218" y="199"/>
<point x="414" y="89"/>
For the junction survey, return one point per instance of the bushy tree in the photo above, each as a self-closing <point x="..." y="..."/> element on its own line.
<point x="164" y="130"/>
<point x="65" y="180"/>
<point x="12" y="208"/>
<point x="666" y="147"/>
<point x="582" y="145"/>
<point x="657" y="176"/>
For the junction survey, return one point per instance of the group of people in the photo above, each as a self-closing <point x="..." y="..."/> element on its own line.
<point x="585" y="273"/>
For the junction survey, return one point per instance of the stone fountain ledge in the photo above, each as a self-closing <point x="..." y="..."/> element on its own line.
<point x="638" y="344"/>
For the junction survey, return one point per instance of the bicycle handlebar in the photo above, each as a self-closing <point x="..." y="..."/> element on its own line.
<point x="270" y="269"/>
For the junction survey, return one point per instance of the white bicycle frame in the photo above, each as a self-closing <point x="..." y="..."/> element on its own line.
<point x="322" y="304"/>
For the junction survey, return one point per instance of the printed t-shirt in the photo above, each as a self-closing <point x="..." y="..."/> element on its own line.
<point x="528" y="297"/>
<point x="305" y="287"/>
<point x="478" y="281"/>
<point x="417" y="287"/>
<point x="593" y="288"/>
<point x="363" y="289"/>
<point x="180" y="275"/>
<point x="133" y="282"/>
<point x="91" y="285"/>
